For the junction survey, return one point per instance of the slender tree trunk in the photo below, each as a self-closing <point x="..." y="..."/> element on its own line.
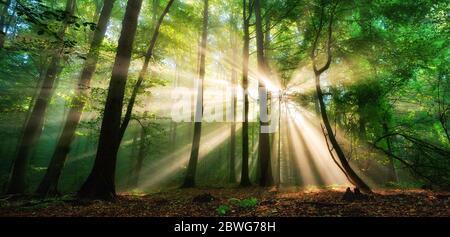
<point x="98" y="7"/>
<point x="232" y="154"/>
<point x="35" y="123"/>
<point x="316" y="101"/>
<point x="353" y="177"/>
<point x="101" y="181"/>
<point x="140" y="158"/>
<point x="362" y="129"/>
<point x="173" y="135"/>
<point x="279" y="142"/>
<point x="393" y="176"/>
<point x="294" y="172"/>
<point x="245" y="180"/>
<point x="42" y="73"/>
<point x="284" y="161"/>
<point x="194" y="85"/>
<point x="233" y="44"/>
<point x="3" y="16"/>
<point x="173" y="124"/>
<point x="49" y="184"/>
<point x="264" y="138"/>
<point x="189" y="180"/>
<point x="267" y="36"/>
<point x="142" y="74"/>
<point x="12" y="20"/>
<point x="133" y="155"/>
<point x="358" y="182"/>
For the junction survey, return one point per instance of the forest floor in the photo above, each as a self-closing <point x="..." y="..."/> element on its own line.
<point x="248" y="202"/>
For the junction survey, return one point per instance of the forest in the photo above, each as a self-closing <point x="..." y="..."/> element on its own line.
<point x="224" y="108"/>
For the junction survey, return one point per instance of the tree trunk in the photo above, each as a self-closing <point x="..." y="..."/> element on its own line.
<point x="139" y="159"/>
<point x="294" y="172"/>
<point x="353" y="177"/>
<point x="12" y="20"/>
<point x="232" y="154"/>
<point x="189" y="180"/>
<point x="49" y="184"/>
<point x="35" y="123"/>
<point x="101" y="181"/>
<point x="245" y="180"/>
<point x="173" y="124"/>
<point x="264" y="138"/>
<point x="133" y="155"/>
<point x="362" y="129"/>
<point x="279" y="143"/>
<point x="267" y="36"/>
<point x="142" y="74"/>
<point x="3" y="16"/>
<point x="393" y="176"/>
<point x="233" y="44"/>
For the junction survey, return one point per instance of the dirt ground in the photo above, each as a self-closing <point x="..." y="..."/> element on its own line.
<point x="248" y="202"/>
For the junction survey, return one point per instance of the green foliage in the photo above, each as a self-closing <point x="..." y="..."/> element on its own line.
<point x="47" y="21"/>
<point x="222" y="210"/>
<point x="247" y="203"/>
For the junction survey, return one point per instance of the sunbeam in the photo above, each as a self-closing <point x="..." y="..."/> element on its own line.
<point x="176" y="161"/>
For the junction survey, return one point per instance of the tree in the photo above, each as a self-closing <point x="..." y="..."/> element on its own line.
<point x="189" y="180"/>
<point x="101" y="182"/>
<point x="115" y="144"/>
<point x="245" y="180"/>
<point x="35" y="122"/>
<point x="318" y="71"/>
<point x="233" y="80"/>
<point x="142" y="73"/>
<point x="142" y="149"/>
<point x="49" y="184"/>
<point x="3" y="16"/>
<point x="266" y="178"/>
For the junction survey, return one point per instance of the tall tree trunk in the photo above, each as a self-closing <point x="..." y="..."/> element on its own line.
<point x="101" y="181"/>
<point x="294" y="172"/>
<point x="362" y="128"/>
<point x="133" y="155"/>
<point x="264" y="138"/>
<point x="142" y="74"/>
<point x="3" y="15"/>
<point x="49" y="184"/>
<point x="173" y="124"/>
<point x="12" y="20"/>
<point x="279" y="142"/>
<point x="393" y="176"/>
<point x="233" y="44"/>
<point x="267" y="35"/>
<point x="189" y="180"/>
<point x="35" y="123"/>
<point x="245" y="180"/>
<point x="139" y="159"/>
<point x="232" y="153"/>
<point x="353" y="177"/>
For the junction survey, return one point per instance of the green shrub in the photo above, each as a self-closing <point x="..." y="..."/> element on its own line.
<point x="223" y="210"/>
<point x="244" y="203"/>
